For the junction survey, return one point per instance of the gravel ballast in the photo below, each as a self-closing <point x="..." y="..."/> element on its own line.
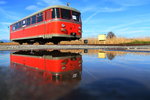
<point x="30" y="47"/>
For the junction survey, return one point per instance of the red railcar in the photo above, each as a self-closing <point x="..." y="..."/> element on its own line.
<point x="52" y="66"/>
<point x="52" y="24"/>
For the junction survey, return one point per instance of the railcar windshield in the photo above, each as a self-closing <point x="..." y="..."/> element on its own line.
<point x="66" y="14"/>
<point x="70" y="15"/>
<point x="55" y="13"/>
<point x="76" y="16"/>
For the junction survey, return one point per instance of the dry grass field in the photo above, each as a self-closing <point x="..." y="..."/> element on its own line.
<point x="95" y="41"/>
<point x="108" y="41"/>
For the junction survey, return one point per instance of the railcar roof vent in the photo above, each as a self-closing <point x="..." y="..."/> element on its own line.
<point x="68" y="4"/>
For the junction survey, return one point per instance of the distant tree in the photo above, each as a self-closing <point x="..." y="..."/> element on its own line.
<point x="110" y="35"/>
<point x="110" y="56"/>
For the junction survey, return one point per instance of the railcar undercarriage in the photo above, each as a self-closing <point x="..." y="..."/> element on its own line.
<point x="42" y="41"/>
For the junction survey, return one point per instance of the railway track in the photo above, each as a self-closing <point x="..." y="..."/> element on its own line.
<point x="74" y="46"/>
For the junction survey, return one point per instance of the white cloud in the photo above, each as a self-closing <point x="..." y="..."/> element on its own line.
<point x="3" y="2"/>
<point x="32" y="7"/>
<point x="90" y="17"/>
<point x="4" y="30"/>
<point x="104" y="10"/>
<point x="5" y="23"/>
<point x="40" y="4"/>
<point x="107" y="9"/>
<point x="127" y="29"/>
<point x="85" y="0"/>
<point x="7" y="17"/>
<point x="53" y="2"/>
<point x="4" y="33"/>
<point x="94" y="6"/>
<point x="9" y="14"/>
<point x="123" y="29"/>
<point x="132" y="33"/>
<point x="144" y="15"/>
<point x="88" y="9"/>
<point x="43" y="3"/>
<point x="127" y="24"/>
<point x="131" y="2"/>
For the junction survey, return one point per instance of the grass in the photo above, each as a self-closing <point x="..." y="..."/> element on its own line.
<point x="109" y="41"/>
<point x="139" y="42"/>
<point x="9" y="43"/>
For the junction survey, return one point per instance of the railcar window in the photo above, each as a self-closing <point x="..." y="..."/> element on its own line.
<point x="28" y="21"/>
<point x="20" y="24"/>
<point x="14" y="27"/>
<point x="48" y="15"/>
<point x="55" y="13"/>
<point x="33" y="19"/>
<point x="39" y="17"/>
<point x="76" y="16"/>
<point x="23" y="23"/>
<point x="66" y="14"/>
<point x="17" y="25"/>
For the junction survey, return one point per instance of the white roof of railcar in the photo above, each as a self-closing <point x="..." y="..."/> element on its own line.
<point x="55" y="6"/>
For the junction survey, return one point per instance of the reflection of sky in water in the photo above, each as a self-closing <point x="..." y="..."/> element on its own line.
<point x="4" y="58"/>
<point x="119" y="67"/>
<point x="124" y="77"/>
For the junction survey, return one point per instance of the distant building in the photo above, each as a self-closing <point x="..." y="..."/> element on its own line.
<point x="102" y="37"/>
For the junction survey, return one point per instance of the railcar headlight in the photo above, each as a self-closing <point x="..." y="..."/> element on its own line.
<point x="64" y="67"/>
<point x="79" y="31"/>
<point x="79" y="27"/>
<point x="63" y="30"/>
<point x="63" y="25"/>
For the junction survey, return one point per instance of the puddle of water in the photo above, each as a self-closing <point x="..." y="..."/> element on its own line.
<point x="74" y="75"/>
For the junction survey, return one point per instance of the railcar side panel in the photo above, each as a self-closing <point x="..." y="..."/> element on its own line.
<point x="47" y="29"/>
<point x="34" y="31"/>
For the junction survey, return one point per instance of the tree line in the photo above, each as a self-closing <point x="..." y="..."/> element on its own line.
<point x="110" y="35"/>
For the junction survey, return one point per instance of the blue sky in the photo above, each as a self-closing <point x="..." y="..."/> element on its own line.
<point x="126" y="18"/>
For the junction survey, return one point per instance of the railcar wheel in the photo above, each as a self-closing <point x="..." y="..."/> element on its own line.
<point x="56" y="42"/>
<point x="20" y="43"/>
<point x="30" y="43"/>
<point x="42" y="43"/>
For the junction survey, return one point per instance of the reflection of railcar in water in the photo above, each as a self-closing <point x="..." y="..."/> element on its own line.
<point x="53" y="24"/>
<point x="52" y="66"/>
